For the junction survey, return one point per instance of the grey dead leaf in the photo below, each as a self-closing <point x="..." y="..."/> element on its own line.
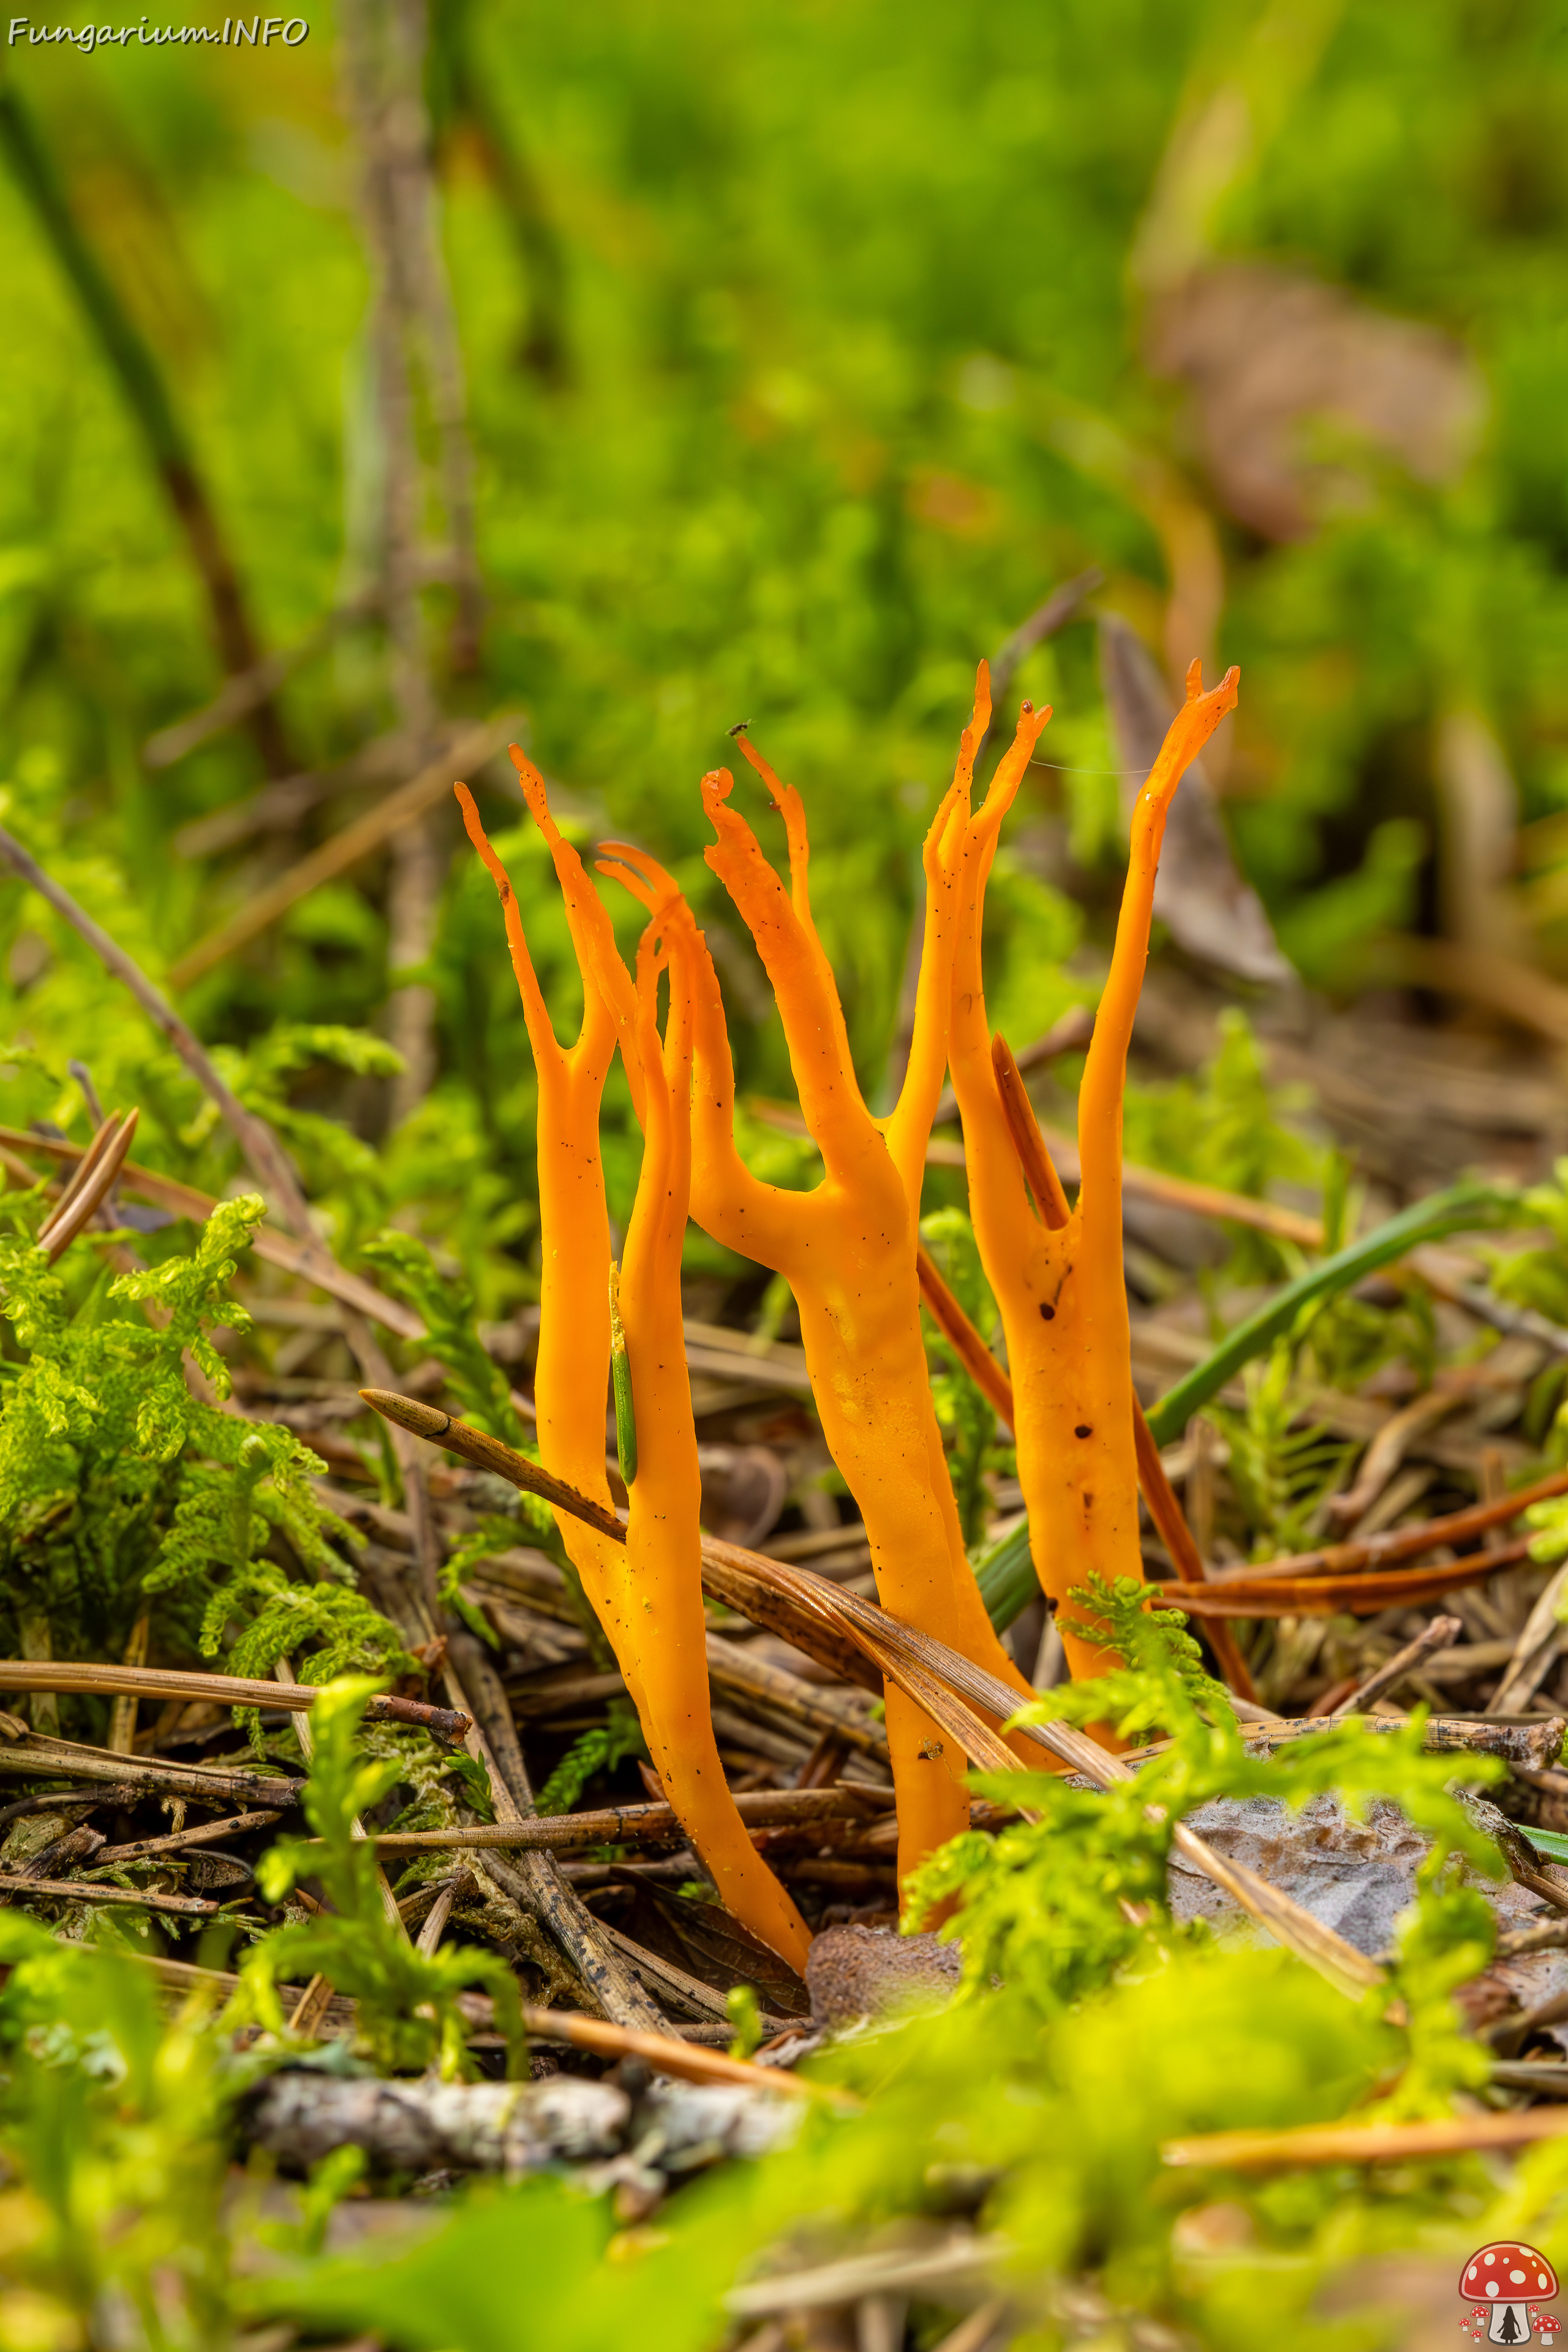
<point x="1199" y="894"/>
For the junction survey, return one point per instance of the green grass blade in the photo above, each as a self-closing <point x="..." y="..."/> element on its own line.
<point x="1424" y="1220"/>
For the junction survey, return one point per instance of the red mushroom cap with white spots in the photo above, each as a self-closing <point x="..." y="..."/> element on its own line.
<point x="1504" y="2273"/>
<point x="1546" y="2325"/>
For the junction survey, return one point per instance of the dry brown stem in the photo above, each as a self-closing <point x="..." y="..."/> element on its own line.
<point x="225" y="1690"/>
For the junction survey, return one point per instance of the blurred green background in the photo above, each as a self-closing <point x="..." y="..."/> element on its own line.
<point x="798" y="353"/>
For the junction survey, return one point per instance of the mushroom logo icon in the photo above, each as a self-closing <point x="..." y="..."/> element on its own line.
<point x="1499" y="2285"/>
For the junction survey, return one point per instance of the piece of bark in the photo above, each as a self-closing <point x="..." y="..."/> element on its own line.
<point x="65" y="1854"/>
<point x="299" y="2116"/>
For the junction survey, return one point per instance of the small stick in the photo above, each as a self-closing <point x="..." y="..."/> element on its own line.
<point x="687" y="2062"/>
<point x="1437" y="1635"/>
<point x="490" y="1454"/>
<point x="633" y="1824"/>
<point x="1388" y="2142"/>
<point x="74" y="1890"/>
<point x="202" y="1834"/>
<point x="1521" y="1745"/>
<point x="225" y="1690"/>
<point x="887" y="2270"/>
<point x="35" y="1757"/>
<point x="1366" y="1594"/>
<point x="1403" y="1543"/>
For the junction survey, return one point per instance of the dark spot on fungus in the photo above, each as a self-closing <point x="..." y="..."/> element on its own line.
<point x="1048" y="1310"/>
<point x="1083" y="1430"/>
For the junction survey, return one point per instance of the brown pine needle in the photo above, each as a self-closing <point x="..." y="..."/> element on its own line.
<point x="1372" y="2142"/>
<point x="687" y="2062"/>
<point x="1039" y="1168"/>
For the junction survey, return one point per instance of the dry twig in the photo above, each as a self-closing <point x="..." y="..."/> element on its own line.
<point x="223" y="1690"/>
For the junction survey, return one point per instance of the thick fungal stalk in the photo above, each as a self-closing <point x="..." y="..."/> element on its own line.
<point x="1060" y="1285"/>
<point x="574" y="1271"/>
<point x="647" y="1595"/>
<point x="664" y="1539"/>
<point x="848" y="1251"/>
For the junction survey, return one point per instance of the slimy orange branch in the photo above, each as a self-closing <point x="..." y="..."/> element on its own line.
<point x="574" y="1272"/>
<point x="1158" y="1493"/>
<point x="848" y="1251"/>
<point x="1060" y="1287"/>
<point x="664" y="1539"/>
<point x="647" y="1595"/>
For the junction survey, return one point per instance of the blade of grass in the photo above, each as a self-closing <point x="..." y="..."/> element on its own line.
<point x="1462" y="1206"/>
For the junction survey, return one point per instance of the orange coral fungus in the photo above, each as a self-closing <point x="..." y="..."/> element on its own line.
<point x="848" y="1251"/>
<point x="648" y="1598"/>
<point x="1060" y="1285"/>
